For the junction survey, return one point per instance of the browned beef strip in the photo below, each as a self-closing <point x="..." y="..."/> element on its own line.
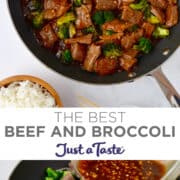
<point x="111" y="38"/>
<point x="127" y="64"/>
<point x="130" y="53"/>
<point x="55" y="8"/>
<point x="128" y="59"/>
<point x="129" y="40"/>
<point x="158" y="13"/>
<point x="49" y="14"/>
<point x="86" y="39"/>
<point x="93" y="53"/>
<point x="105" y="66"/>
<point x="159" y="3"/>
<point x="116" y="25"/>
<point x="131" y="15"/>
<point x="87" y="1"/>
<point x="48" y="36"/>
<point x="172" y="1"/>
<point x="171" y="15"/>
<point x="83" y="19"/>
<point x="107" y="4"/>
<point x="78" y="52"/>
<point x="138" y="34"/>
<point x="148" y="29"/>
<point x="128" y="1"/>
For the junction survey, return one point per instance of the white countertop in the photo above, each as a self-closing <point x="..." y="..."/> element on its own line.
<point x="15" y="59"/>
<point x="6" y="168"/>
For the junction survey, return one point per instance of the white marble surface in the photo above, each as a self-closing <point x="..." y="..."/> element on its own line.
<point x="6" y="168"/>
<point x="15" y="59"/>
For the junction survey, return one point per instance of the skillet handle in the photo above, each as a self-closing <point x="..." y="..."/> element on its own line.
<point x="169" y="91"/>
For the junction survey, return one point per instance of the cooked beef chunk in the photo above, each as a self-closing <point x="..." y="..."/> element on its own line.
<point x="87" y="1"/>
<point x="105" y="66"/>
<point x="93" y="53"/>
<point x="128" y="1"/>
<point x="86" y="39"/>
<point x="148" y="29"/>
<point x="110" y="38"/>
<point x="48" y="36"/>
<point x="128" y="59"/>
<point x="55" y="8"/>
<point x="78" y="52"/>
<point x="171" y="15"/>
<point x="172" y="1"/>
<point x="129" y="40"/>
<point x="159" y="3"/>
<point x="116" y="25"/>
<point x="83" y="17"/>
<point x="107" y="4"/>
<point x="131" y="15"/>
<point x="158" y="13"/>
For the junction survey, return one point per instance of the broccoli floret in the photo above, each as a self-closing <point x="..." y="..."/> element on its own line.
<point x="161" y="32"/>
<point x="153" y="19"/>
<point x="141" y="5"/>
<point x="147" y="12"/>
<point x="38" y="19"/>
<point x="89" y="30"/>
<point x="144" y="45"/>
<point x="63" y="31"/>
<point x="111" y="50"/>
<point x="133" y="28"/>
<point x="78" y="2"/>
<point x="66" y="30"/>
<point x="108" y="16"/>
<point x="60" y="174"/>
<point x="72" y="30"/>
<point x="108" y="32"/>
<point x="66" y="56"/>
<point x="100" y="17"/>
<point x="52" y="173"/>
<point x="68" y="17"/>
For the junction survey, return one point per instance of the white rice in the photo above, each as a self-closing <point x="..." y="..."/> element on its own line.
<point x="25" y="94"/>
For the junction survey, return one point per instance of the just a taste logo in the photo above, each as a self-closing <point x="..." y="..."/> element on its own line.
<point x="92" y="133"/>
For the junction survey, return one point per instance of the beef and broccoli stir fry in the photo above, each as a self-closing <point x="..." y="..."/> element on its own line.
<point x="102" y="36"/>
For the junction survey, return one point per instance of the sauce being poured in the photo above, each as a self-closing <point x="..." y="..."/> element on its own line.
<point x="121" y="170"/>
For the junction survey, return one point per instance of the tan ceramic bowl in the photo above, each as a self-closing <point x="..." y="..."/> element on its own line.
<point x="41" y="82"/>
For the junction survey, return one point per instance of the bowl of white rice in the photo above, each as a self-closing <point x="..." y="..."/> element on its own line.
<point x="26" y="91"/>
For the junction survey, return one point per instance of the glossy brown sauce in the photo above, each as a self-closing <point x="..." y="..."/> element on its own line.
<point x="121" y="170"/>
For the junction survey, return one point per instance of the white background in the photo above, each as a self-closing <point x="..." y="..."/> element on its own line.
<point x="7" y="168"/>
<point x="44" y="147"/>
<point x="137" y="148"/>
<point x="15" y="59"/>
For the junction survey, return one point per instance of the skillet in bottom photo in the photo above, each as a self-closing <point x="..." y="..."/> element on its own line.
<point x="35" y="170"/>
